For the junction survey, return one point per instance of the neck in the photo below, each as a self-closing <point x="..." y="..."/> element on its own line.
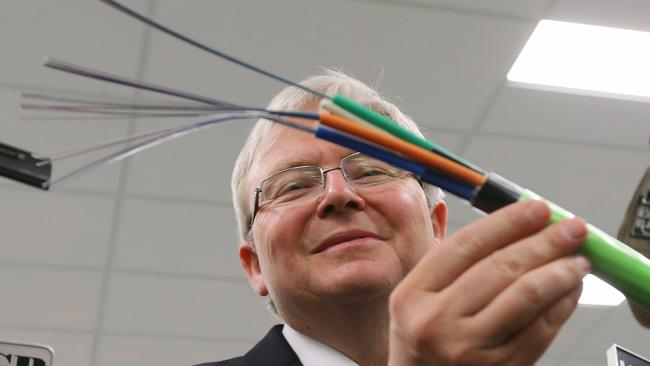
<point x="359" y="331"/>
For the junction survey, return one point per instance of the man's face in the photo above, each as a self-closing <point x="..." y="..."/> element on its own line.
<point x="346" y="245"/>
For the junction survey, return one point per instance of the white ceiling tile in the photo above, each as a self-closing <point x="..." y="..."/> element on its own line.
<point x="54" y="228"/>
<point x="584" y="361"/>
<point x="546" y="360"/>
<point x="70" y="349"/>
<point x="530" y="8"/>
<point x="187" y="307"/>
<point x="595" y="183"/>
<point x="83" y="32"/>
<point x="460" y="212"/>
<point x="620" y="328"/>
<point x="544" y="114"/>
<point x="49" y="298"/>
<point x="448" y="140"/>
<point x="178" y="237"/>
<point x="582" y="322"/>
<point x="124" y="350"/>
<point x="629" y="14"/>
<point x="196" y="166"/>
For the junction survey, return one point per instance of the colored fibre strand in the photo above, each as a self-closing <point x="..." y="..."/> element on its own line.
<point x="160" y="138"/>
<point x="110" y="112"/>
<point x="206" y="48"/>
<point x="450" y="185"/>
<point x="115" y="79"/>
<point x="414" y="152"/>
<point x="336" y="110"/>
<point x="54" y="156"/>
<point x="353" y="107"/>
<point x="111" y="78"/>
<point x="363" y="113"/>
<point x="125" y="105"/>
<point x="132" y="150"/>
<point x="393" y="128"/>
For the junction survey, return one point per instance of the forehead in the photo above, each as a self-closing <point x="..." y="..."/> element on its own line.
<point x="285" y="147"/>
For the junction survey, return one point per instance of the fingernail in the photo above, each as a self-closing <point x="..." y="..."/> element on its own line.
<point x="574" y="229"/>
<point x="538" y="210"/>
<point x="583" y="263"/>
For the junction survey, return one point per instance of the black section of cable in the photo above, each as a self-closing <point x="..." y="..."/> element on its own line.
<point x="206" y="48"/>
<point x="21" y="166"/>
<point x="496" y="193"/>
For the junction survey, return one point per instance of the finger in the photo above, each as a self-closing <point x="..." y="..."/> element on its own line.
<point x="460" y="251"/>
<point x="503" y="267"/>
<point x="526" y="298"/>
<point x="529" y="345"/>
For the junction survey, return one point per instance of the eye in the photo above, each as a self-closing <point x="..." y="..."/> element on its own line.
<point x="370" y="174"/>
<point x="294" y="186"/>
<point x="291" y="185"/>
<point x="369" y="171"/>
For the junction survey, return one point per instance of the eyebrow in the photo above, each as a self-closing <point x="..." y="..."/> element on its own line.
<point x="302" y="161"/>
<point x="292" y="164"/>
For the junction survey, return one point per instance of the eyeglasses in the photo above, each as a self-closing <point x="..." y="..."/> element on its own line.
<point x="303" y="183"/>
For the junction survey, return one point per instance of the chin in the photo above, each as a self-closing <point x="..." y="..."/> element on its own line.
<point x="361" y="280"/>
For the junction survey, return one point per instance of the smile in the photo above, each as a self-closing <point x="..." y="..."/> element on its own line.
<point x="346" y="239"/>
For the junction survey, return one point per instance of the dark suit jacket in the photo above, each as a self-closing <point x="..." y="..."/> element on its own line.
<point x="272" y="350"/>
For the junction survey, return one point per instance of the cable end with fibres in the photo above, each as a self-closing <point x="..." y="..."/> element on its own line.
<point x="22" y="166"/>
<point x="380" y="121"/>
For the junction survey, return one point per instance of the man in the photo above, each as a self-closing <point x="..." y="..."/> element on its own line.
<point x="352" y="256"/>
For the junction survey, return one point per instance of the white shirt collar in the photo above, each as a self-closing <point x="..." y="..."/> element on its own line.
<point x="312" y="352"/>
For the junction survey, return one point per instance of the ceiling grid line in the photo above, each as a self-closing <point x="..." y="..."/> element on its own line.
<point x="119" y="201"/>
<point x="593" y="327"/>
<point x="488" y="107"/>
<point x="449" y="9"/>
<point x="563" y="141"/>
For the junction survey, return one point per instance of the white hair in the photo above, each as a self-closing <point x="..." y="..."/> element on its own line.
<point x="291" y="99"/>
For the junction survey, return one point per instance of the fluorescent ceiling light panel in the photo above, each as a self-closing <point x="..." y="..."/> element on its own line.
<point x="596" y="292"/>
<point x="585" y="59"/>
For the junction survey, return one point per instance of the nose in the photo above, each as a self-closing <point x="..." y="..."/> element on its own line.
<point x="338" y="196"/>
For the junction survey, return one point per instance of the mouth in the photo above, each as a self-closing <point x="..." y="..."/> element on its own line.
<point x="345" y="237"/>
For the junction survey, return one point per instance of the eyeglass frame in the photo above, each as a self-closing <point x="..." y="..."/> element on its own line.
<point x="258" y="189"/>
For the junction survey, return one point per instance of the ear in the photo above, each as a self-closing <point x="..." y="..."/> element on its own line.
<point x="439" y="220"/>
<point x="250" y="262"/>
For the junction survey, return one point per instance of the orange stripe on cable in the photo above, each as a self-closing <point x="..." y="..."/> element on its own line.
<point x="414" y="152"/>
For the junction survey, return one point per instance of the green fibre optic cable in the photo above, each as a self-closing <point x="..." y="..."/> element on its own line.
<point x="611" y="260"/>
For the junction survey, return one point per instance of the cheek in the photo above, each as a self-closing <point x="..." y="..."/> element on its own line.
<point x="278" y="235"/>
<point x="406" y="204"/>
<point x="408" y="214"/>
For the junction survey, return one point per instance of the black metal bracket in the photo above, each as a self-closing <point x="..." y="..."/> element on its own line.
<point x="22" y="166"/>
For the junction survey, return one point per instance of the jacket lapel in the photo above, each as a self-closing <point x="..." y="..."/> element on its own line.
<point x="272" y="350"/>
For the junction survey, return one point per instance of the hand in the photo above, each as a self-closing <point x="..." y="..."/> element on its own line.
<point x="495" y="293"/>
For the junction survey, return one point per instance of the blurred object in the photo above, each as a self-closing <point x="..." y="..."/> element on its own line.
<point x="619" y="356"/>
<point x="635" y="232"/>
<point x="25" y="354"/>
